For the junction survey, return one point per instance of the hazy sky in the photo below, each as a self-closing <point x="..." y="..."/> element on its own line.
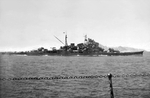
<point x="29" y="24"/>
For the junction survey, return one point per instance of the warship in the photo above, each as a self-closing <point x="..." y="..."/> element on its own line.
<point x="88" y="48"/>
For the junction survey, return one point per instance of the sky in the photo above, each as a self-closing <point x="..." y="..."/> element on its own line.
<point x="30" y="24"/>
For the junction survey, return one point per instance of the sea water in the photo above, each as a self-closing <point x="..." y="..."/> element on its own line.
<point x="51" y="66"/>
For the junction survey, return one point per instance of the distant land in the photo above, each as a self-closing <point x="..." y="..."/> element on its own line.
<point x="122" y="48"/>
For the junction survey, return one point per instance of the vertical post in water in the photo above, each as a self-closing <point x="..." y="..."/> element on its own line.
<point x="111" y="86"/>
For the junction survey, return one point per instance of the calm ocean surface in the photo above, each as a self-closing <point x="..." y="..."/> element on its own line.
<point x="48" y="66"/>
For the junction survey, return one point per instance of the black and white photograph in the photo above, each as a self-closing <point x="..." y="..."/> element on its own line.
<point x="74" y="48"/>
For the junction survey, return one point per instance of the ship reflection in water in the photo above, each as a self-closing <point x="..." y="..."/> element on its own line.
<point x="88" y="48"/>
